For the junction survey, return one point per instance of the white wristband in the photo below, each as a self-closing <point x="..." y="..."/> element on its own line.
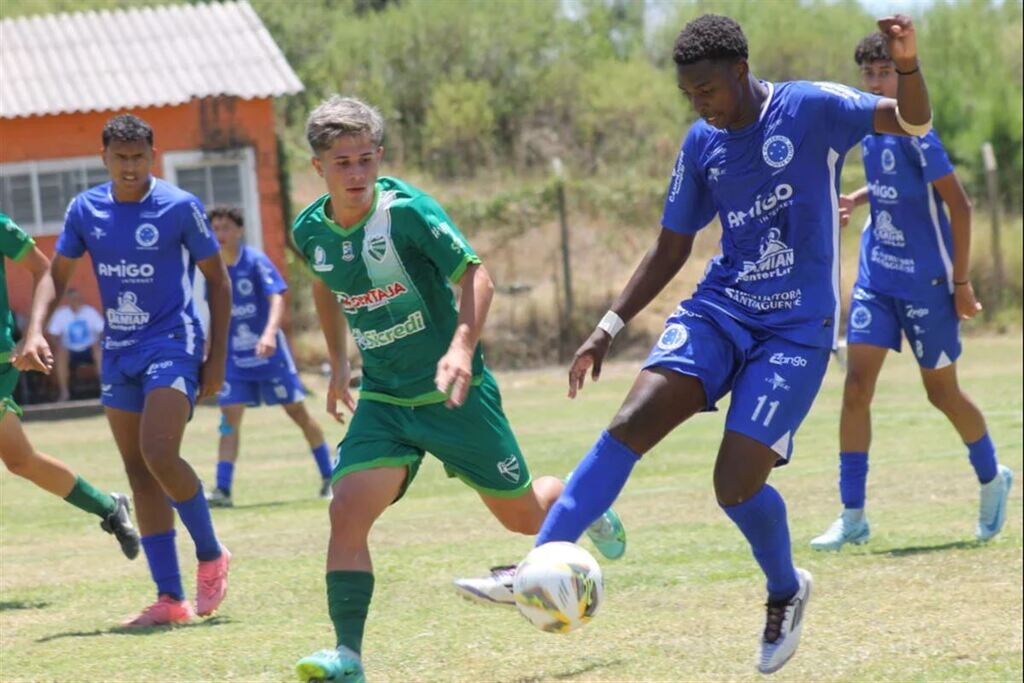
<point x="611" y="323"/>
<point x="915" y="129"/>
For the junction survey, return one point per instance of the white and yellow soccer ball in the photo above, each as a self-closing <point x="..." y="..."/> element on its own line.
<point x="558" y="587"/>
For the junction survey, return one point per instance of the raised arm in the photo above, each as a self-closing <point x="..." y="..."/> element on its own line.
<point x="910" y="113"/>
<point x="656" y="269"/>
<point x="332" y="322"/>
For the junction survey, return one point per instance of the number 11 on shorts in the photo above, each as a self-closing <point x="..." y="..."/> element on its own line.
<point x="772" y="407"/>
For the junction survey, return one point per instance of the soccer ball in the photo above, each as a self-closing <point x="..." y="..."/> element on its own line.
<point x="558" y="587"/>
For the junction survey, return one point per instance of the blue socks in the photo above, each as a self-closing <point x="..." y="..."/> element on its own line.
<point x="225" y="473"/>
<point x="322" y="455"/>
<point x="982" y="454"/>
<point x="762" y="519"/>
<point x="853" y="478"/>
<point x="593" y="487"/>
<point x="163" y="564"/>
<point x="195" y="515"/>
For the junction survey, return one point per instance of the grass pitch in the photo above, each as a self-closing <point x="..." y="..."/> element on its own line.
<point x="922" y="601"/>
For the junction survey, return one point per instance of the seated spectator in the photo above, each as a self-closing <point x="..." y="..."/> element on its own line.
<point x="76" y="328"/>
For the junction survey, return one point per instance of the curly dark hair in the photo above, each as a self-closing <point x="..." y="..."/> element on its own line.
<point x="126" y="128"/>
<point x="232" y="213"/>
<point x="872" y="48"/>
<point x="710" y="36"/>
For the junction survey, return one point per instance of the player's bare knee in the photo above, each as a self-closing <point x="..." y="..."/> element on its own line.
<point x="521" y="522"/>
<point x="858" y="392"/>
<point x="16" y="463"/>
<point x="945" y="398"/>
<point x="349" y="520"/>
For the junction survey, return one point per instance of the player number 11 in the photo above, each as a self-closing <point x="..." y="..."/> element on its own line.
<point x="772" y="407"/>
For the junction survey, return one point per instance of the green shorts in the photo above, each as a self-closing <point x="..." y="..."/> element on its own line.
<point x="8" y="380"/>
<point x="474" y="441"/>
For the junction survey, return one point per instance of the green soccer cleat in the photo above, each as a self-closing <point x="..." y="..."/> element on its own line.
<point x="340" y="665"/>
<point x="608" y="535"/>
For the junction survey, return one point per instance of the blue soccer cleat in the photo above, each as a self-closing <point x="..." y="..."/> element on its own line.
<point x="340" y="665"/>
<point x="850" y="527"/>
<point x="992" y="510"/>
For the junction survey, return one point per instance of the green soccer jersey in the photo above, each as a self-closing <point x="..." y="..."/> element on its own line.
<point x="14" y="244"/>
<point x="390" y="273"/>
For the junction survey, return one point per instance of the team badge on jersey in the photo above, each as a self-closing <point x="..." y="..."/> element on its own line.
<point x="244" y="286"/>
<point x="377" y="247"/>
<point x="861" y="318"/>
<point x="346" y="251"/>
<point x="888" y="161"/>
<point x="146" y="236"/>
<point x="777" y="151"/>
<point x="320" y="264"/>
<point x="509" y="468"/>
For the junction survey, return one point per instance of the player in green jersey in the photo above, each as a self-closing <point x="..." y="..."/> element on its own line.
<point x="33" y="353"/>
<point x="387" y="253"/>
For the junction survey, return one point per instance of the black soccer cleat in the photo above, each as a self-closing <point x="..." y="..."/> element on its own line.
<point x="119" y="523"/>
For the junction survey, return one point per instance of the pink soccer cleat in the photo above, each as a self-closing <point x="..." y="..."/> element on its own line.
<point x="212" y="583"/>
<point x="166" y="610"/>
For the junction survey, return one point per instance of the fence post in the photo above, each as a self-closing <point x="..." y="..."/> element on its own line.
<point x="556" y="165"/>
<point x="992" y="184"/>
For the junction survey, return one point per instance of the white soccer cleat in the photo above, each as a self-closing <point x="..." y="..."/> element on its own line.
<point x="494" y="589"/>
<point x="992" y="509"/>
<point x="850" y="527"/>
<point x="783" y="624"/>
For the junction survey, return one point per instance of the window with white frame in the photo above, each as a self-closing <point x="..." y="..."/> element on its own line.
<point x="219" y="178"/>
<point x="36" y="193"/>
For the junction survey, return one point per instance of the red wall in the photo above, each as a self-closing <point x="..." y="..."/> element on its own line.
<point x="211" y="124"/>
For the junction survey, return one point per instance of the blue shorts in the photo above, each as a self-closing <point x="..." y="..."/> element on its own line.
<point x="127" y="376"/>
<point x="930" y="324"/>
<point x="279" y="389"/>
<point x="773" y="380"/>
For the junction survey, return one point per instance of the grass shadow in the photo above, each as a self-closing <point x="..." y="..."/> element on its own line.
<point x="922" y="549"/>
<point x="571" y="673"/>
<point x="22" y="604"/>
<point x="121" y="630"/>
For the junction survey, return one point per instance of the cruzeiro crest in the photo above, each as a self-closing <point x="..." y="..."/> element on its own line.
<point x="377" y="247"/>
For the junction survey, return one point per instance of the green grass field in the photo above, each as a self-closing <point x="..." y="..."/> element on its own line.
<point x="921" y="602"/>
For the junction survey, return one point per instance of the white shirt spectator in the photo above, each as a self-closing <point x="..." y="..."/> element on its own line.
<point x="78" y="330"/>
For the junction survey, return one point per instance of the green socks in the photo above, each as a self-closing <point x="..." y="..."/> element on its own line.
<point x="87" y="497"/>
<point x="348" y="601"/>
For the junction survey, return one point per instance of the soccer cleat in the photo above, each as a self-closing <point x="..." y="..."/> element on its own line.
<point x="325" y="489"/>
<point x="782" y="627"/>
<point x="166" y="610"/>
<point x="119" y="523"/>
<point x="212" y="583"/>
<point x="850" y="527"/>
<point x="608" y="535"/>
<point x="494" y="589"/>
<point x="992" y="510"/>
<point x="340" y="665"/>
<point x="219" y="498"/>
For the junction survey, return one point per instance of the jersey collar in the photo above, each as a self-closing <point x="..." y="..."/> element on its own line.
<point x="343" y="231"/>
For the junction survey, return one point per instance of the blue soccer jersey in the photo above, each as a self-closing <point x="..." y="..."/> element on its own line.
<point x="907" y="243"/>
<point x="144" y="255"/>
<point x="774" y="186"/>
<point x="253" y="279"/>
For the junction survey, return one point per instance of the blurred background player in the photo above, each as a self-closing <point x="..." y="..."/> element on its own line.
<point x="33" y="353"/>
<point x="766" y="158"/>
<point x="914" y="281"/>
<point x="387" y="252"/>
<point x="76" y="328"/>
<point x="145" y="237"/>
<point x="259" y="368"/>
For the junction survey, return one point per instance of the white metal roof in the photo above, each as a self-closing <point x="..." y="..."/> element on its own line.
<point x="141" y="57"/>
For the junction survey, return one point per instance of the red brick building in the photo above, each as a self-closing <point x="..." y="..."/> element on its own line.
<point x="203" y="76"/>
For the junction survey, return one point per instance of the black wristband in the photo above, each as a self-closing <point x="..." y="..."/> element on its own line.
<point x="961" y="284"/>
<point x="907" y="73"/>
